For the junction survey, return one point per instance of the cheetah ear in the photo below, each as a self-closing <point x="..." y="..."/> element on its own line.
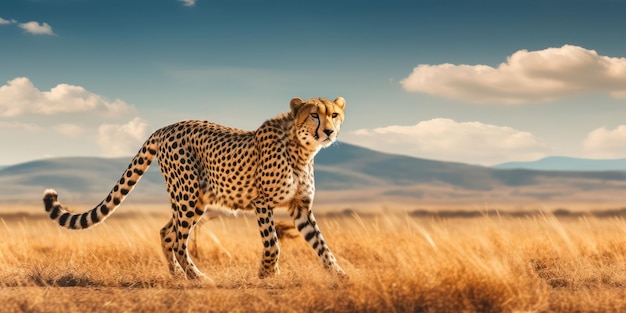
<point x="295" y="104"/>
<point x="341" y="102"/>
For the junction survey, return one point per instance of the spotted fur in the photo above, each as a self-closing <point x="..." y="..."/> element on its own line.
<point x="209" y="165"/>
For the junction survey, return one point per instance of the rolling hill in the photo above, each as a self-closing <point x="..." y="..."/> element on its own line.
<point x="342" y="169"/>
<point x="558" y="163"/>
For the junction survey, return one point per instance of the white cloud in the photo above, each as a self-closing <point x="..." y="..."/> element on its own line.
<point x="65" y="120"/>
<point x="446" y="139"/>
<point x="605" y="143"/>
<point x="36" y="28"/>
<point x="19" y="96"/>
<point x="188" y="3"/>
<point x="526" y="77"/>
<point x="20" y="126"/>
<point x="6" y="22"/>
<point x="122" y="140"/>
<point x="69" y="130"/>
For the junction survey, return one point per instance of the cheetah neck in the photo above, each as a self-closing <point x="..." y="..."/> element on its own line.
<point x="301" y="155"/>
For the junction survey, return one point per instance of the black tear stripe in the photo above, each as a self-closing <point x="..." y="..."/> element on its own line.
<point x="317" y="136"/>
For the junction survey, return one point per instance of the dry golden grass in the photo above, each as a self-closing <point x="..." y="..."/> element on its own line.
<point x="396" y="264"/>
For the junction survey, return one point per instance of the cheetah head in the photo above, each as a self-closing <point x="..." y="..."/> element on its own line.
<point x="317" y="120"/>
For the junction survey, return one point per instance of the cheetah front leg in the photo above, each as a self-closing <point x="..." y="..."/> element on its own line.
<point x="304" y="221"/>
<point x="271" y="248"/>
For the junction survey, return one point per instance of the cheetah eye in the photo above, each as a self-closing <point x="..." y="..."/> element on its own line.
<point x="335" y="115"/>
<point x="314" y="115"/>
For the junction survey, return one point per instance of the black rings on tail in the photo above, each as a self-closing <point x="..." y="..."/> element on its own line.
<point x="99" y="213"/>
<point x="57" y="211"/>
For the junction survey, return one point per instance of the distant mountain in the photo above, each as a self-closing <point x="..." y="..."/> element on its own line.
<point x="373" y="168"/>
<point x="340" y="168"/>
<point x="557" y="163"/>
<point x="347" y="166"/>
<point x="76" y="178"/>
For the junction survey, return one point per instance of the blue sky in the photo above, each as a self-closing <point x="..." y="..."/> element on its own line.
<point x="480" y="82"/>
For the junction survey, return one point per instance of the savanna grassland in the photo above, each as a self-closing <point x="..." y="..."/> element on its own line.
<point x="396" y="263"/>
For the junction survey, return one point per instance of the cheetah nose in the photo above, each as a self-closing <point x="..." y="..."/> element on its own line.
<point x="328" y="132"/>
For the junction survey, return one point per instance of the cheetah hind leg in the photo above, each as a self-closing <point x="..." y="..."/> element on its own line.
<point x="167" y="244"/>
<point x="182" y="229"/>
<point x="177" y="254"/>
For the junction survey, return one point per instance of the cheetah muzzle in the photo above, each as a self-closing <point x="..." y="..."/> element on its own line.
<point x="209" y="165"/>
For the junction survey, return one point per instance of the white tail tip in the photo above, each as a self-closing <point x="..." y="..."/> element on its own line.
<point x="49" y="192"/>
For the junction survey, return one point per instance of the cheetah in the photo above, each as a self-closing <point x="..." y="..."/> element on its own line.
<point x="209" y="165"/>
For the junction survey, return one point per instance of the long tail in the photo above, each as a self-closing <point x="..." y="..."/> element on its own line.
<point x="124" y="186"/>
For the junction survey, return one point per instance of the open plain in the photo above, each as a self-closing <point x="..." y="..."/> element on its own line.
<point x="397" y="262"/>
